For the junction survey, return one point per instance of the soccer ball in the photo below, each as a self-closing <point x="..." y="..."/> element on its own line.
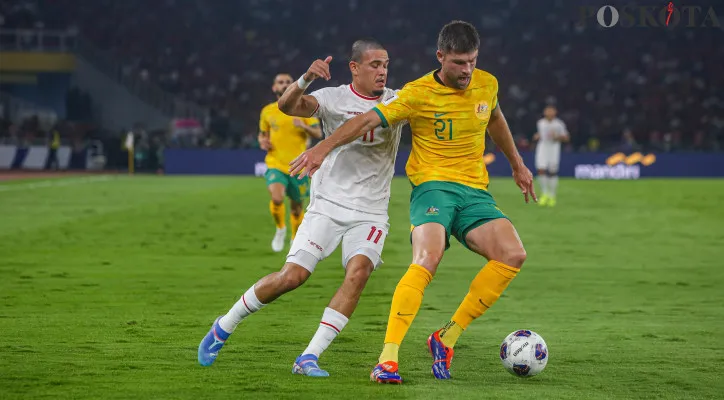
<point x="524" y="353"/>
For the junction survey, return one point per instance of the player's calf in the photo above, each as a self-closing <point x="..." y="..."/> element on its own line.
<point x="335" y="316"/>
<point x="358" y="272"/>
<point x="254" y="299"/>
<point x="272" y="286"/>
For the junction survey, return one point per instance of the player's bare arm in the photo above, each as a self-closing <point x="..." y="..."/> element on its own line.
<point x="312" y="130"/>
<point x="564" y="138"/>
<point x="309" y="162"/>
<point x="294" y="102"/>
<point x="503" y="138"/>
<point x="536" y="136"/>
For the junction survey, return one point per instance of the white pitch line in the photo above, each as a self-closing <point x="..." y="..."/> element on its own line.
<point x="54" y="183"/>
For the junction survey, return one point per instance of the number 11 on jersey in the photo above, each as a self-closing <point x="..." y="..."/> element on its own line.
<point x="374" y="230"/>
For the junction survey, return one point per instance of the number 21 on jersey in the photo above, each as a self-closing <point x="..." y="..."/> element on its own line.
<point x="444" y="129"/>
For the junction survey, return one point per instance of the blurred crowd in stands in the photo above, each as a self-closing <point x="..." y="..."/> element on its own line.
<point x="639" y="88"/>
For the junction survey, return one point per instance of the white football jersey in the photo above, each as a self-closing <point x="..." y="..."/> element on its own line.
<point x="356" y="175"/>
<point x="548" y="131"/>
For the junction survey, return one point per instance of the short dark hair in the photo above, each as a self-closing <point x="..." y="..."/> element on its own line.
<point x="360" y="46"/>
<point x="459" y="37"/>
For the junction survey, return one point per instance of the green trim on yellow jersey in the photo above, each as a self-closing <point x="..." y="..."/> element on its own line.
<point x="382" y="117"/>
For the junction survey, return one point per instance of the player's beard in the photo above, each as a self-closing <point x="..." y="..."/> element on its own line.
<point x="460" y="85"/>
<point x="377" y="93"/>
<point x="279" y="93"/>
<point x="454" y="80"/>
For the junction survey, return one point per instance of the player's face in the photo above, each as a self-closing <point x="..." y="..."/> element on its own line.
<point x="457" y="68"/>
<point x="370" y="75"/>
<point x="281" y="82"/>
<point x="549" y="112"/>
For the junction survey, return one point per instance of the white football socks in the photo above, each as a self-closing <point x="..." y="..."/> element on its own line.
<point x="331" y="325"/>
<point x="552" y="185"/>
<point x="247" y="305"/>
<point x="543" y="179"/>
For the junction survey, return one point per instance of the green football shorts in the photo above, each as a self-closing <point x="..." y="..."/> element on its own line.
<point x="296" y="189"/>
<point x="457" y="207"/>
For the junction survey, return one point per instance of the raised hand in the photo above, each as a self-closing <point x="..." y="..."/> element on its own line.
<point x="318" y="69"/>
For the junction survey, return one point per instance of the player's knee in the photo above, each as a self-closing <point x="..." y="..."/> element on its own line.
<point x="292" y="276"/>
<point x="277" y="199"/>
<point x="357" y="278"/>
<point x="514" y="257"/>
<point x="429" y="259"/>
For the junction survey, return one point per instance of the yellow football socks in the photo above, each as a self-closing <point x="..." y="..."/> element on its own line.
<point x="296" y="221"/>
<point x="390" y="352"/>
<point x="485" y="290"/>
<point x="450" y="333"/>
<point x="278" y="212"/>
<point x="405" y="304"/>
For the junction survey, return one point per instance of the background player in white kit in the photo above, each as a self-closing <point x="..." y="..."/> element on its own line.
<point x="349" y="199"/>
<point x="551" y="133"/>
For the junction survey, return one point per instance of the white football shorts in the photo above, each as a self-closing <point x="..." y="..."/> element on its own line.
<point x="547" y="159"/>
<point x="326" y="224"/>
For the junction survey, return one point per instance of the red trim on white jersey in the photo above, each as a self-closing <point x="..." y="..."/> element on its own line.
<point x="351" y="86"/>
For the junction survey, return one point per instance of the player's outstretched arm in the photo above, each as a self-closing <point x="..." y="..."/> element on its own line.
<point x="503" y="138"/>
<point x="293" y="102"/>
<point x="309" y="162"/>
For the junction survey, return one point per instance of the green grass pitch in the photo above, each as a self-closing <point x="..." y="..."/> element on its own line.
<point x="107" y="287"/>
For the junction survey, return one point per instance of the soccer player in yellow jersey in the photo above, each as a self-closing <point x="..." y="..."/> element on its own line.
<point x="449" y="111"/>
<point x="284" y="138"/>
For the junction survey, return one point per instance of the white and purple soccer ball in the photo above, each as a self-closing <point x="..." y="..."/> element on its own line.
<point x="524" y="353"/>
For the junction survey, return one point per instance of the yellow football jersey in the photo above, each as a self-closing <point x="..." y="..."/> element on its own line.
<point x="448" y="127"/>
<point x="287" y="140"/>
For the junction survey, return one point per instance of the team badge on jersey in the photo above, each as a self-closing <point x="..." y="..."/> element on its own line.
<point x="432" y="211"/>
<point x="482" y="110"/>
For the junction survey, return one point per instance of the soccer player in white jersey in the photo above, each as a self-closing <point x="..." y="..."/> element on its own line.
<point x="551" y="133"/>
<point x="349" y="199"/>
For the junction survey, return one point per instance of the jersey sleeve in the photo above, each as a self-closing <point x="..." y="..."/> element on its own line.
<point x="263" y="122"/>
<point x="397" y="108"/>
<point x="564" y="129"/>
<point x="323" y="97"/>
<point x="311" y="121"/>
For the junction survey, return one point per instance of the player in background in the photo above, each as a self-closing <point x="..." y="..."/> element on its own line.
<point x="284" y="138"/>
<point x="551" y="133"/>
<point x="449" y="111"/>
<point x="350" y="195"/>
